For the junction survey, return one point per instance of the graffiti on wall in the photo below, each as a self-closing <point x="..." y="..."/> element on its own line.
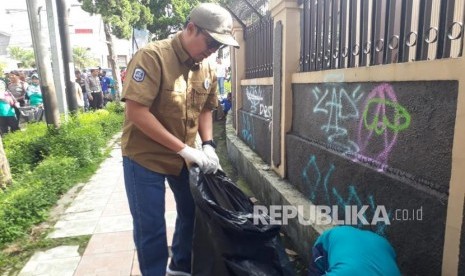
<point x="339" y="106"/>
<point x="257" y="102"/>
<point x="383" y="118"/>
<point x="379" y="117"/>
<point x="247" y="131"/>
<point x="321" y="189"/>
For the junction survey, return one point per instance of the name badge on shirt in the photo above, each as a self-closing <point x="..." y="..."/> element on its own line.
<point x="206" y="83"/>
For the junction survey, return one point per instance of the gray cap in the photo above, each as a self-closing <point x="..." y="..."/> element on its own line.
<point x="217" y="21"/>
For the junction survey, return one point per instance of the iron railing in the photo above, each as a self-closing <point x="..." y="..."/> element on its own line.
<point x="352" y="33"/>
<point x="259" y="49"/>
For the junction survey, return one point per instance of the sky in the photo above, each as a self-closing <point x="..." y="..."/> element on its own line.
<point x="14" y="21"/>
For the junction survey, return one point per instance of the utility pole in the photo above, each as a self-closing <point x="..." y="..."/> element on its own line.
<point x="67" y="53"/>
<point x="52" y="116"/>
<point x="57" y="60"/>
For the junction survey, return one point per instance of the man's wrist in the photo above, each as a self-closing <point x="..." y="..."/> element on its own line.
<point x="209" y="142"/>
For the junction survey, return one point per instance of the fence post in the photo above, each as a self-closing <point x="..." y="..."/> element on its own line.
<point x="287" y="12"/>
<point x="237" y="70"/>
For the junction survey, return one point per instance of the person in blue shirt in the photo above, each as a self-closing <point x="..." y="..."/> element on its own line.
<point x="226" y="103"/>
<point x="348" y="251"/>
<point x="105" y="82"/>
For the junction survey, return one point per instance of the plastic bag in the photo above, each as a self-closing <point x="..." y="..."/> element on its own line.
<point x="226" y="241"/>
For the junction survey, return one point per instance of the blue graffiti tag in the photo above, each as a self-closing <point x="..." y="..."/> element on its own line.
<point x="312" y="176"/>
<point x="247" y="131"/>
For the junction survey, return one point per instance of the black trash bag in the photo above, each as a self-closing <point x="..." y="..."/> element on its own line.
<point x="226" y="241"/>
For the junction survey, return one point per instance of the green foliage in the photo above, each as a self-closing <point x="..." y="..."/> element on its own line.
<point x="28" y="203"/>
<point x="25" y="57"/>
<point x="26" y="148"/>
<point x="115" y="107"/>
<point x="227" y="86"/>
<point x="122" y="15"/>
<point x="2" y="68"/>
<point x="82" y="58"/>
<point x="170" y="16"/>
<point x="46" y="162"/>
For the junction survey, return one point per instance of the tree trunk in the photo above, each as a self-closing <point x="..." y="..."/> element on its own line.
<point x="111" y="53"/>
<point x="47" y="86"/>
<point x="5" y="174"/>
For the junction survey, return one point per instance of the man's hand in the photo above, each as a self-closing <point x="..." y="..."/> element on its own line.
<point x="212" y="156"/>
<point x="195" y="156"/>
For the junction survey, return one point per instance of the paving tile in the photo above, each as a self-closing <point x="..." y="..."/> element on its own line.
<point x="135" y="271"/>
<point x="82" y="215"/>
<point x="119" y="186"/>
<point x="101" y="210"/>
<point x="98" y="189"/>
<point x="114" y="224"/>
<point x="87" y="205"/>
<point x="170" y="203"/>
<point x="62" y="260"/>
<point x="73" y="228"/>
<point x="110" y="242"/>
<point x="118" y="196"/>
<point x="169" y="235"/>
<point x="111" y="264"/>
<point x="170" y="218"/>
<point x="116" y="208"/>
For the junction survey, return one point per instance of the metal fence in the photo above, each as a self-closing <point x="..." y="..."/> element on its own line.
<point x="352" y="33"/>
<point x="259" y="49"/>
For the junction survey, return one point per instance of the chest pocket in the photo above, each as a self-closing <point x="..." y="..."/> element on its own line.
<point x="199" y="95"/>
<point x="172" y="100"/>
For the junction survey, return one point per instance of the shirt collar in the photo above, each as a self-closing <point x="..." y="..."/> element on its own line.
<point x="182" y="55"/>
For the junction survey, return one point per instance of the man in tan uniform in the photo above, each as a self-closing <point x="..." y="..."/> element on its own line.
<point x="170" y="92"/>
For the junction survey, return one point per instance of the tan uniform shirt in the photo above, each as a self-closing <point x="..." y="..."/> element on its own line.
<point x="163" y="77"/>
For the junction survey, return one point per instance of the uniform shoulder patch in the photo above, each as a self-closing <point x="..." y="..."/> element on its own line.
<point x="139" y="75"/>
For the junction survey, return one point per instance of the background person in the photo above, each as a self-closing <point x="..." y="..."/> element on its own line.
<point x="79" y="96"/>
<point x="93" y="86"/>
<point x="226" y="103"/>
<point x="221" y="75"/>
<point x="80" y="79"/>
<point x="169" y="93"/>
<point x="106" y="84"/>
<point x="17" y="88"/>
<point x="33" y="92"/>
<point x="8" y="120"/>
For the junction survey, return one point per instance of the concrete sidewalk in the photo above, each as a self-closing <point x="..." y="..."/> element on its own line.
<point x="100" y="209"/>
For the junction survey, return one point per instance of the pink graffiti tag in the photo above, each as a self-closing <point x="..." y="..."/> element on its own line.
<point x="376" y="120"/>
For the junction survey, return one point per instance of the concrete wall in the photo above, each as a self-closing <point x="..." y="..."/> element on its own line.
<point x="390" y="136"/>
<point x="379" y="144"/>
<point x="254" y="120"/>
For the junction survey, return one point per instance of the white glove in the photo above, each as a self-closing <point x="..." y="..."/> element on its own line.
<point x="213" y="157"/>
<point x="195" y="156"/>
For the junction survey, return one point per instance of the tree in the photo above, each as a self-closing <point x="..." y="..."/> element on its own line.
<point x="82" y="58"/>
<point x="25" y="57"/>
<point x="169" y="16"/>
<point x="119" y="18"/>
